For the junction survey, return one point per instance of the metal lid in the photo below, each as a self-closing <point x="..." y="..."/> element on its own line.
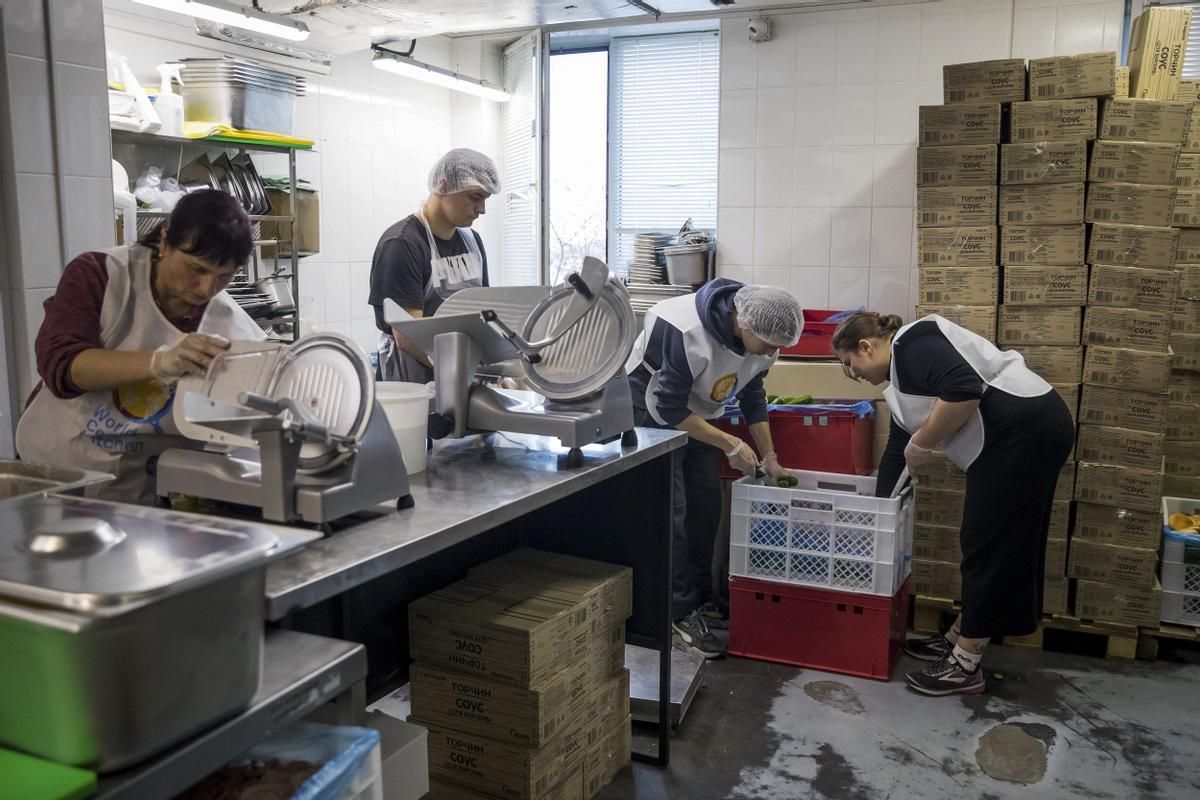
<point x="86" y="555"/>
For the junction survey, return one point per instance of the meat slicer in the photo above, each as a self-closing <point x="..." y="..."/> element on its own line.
<point x="291" y="429"/>
<point x="571" y="348"/>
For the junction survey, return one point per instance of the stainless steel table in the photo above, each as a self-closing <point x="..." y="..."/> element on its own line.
<point x="300" y="673"/>
<point x="479" y="498"/>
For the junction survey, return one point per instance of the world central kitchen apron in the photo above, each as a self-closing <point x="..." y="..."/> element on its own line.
<point x="718" y="373"/>
<point x="115" y="431"/>
<point x="447" y="275"/>
<point x="1004" y="370"/>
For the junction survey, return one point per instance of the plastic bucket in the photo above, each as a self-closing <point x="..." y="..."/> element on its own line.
<point x="407" y="408"/>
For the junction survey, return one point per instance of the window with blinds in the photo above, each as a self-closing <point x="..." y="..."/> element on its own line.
<point x="519" y="173"/>
<point x="662" y="163"/>
<point x="1191" y="62"/>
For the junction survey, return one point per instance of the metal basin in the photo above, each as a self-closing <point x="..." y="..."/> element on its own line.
<point x="19" y="479"/>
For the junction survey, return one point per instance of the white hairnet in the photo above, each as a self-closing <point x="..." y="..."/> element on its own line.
<point x="461" y="170"/>
<point x="771" y="314"/>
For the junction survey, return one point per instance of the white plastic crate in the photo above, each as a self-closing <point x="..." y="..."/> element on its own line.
<point x="1181" y="608"/>
<point x="1180" y="572"/>
<point x="829" y="531"/>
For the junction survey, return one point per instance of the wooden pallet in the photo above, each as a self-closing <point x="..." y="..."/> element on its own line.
<point x="1149" y="638"/>
<point x="1120" y="641"/>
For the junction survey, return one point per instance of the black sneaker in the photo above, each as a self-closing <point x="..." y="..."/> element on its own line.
<point x="713" y="617"/>
<point x="694" y="634"/>
<point x="931" y="648"/>
<point x="947" y="677"/>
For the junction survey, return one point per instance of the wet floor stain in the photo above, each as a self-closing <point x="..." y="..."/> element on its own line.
<point x="836" y="695"/>
<point x="1015" y="752"/>
<point x="835" y="777"/>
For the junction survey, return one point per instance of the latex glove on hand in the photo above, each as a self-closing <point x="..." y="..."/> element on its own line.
<point x="776" y="474"/>
<point x="742" y="458"/>
<point x="916" y="456"/>
<point x="192" y="356"/>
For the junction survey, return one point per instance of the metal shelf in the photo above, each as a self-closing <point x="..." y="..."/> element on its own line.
<point x="300" y="673"/>
<point x="134" y="137"/>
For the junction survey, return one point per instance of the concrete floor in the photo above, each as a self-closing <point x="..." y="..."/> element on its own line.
<point x="1051" y="725"/>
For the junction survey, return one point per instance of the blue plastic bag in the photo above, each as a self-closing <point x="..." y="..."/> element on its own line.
<point x="345" y="752"/>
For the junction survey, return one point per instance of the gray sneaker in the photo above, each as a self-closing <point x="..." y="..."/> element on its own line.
<point x="693" y="633"/>
<point x="713" y="617"/>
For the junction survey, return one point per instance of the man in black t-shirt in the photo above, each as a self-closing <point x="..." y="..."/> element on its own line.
<point x="426" y="257"/>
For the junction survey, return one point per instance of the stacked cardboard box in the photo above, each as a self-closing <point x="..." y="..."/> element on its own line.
<point x="520" y="678"/>
<point x="1157" y="45"/>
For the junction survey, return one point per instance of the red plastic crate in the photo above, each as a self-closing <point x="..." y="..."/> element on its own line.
<point x="819" y="438"/>
<point x="816" y="340"/>
<point x="854" y="634"/>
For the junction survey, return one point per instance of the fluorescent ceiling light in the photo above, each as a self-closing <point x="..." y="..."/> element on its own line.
<point x="409" y="67"/>
<point x="244" y="17"/>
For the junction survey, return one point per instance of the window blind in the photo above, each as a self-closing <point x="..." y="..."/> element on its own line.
<point x="662" y="164"/>
<point x="519" y="173"/>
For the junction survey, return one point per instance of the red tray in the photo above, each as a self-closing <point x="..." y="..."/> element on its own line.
<point x="816" y="340"/>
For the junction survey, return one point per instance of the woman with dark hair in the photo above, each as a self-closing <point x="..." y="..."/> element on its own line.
<point x="1009" y="431"/>
<point x="122" y="327"/>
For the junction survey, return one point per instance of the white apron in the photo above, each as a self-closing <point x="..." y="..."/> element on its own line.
<point x="447" y="274"/>
<point x="1004" y="370"/>
<point x="718" y="373"/>
<point x="116" y="431"/>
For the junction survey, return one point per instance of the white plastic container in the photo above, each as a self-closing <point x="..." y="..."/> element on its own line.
<point x="830" y="531"/>
<point x="407" y="408"/>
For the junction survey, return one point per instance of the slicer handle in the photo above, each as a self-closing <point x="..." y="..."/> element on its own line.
<point x="528" y="351"/>
<point x="309" y="426"/>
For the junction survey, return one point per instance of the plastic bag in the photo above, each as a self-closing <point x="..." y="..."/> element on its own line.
<point x="351" y="759"/>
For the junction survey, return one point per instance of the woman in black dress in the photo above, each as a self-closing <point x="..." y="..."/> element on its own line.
<point x="1007" y="428"/>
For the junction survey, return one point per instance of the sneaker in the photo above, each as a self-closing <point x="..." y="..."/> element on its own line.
<point x="713" y="617"/>
<point x="693" y="633"/>
<point x="931" y="648"/>
<point x="947" y="676"/>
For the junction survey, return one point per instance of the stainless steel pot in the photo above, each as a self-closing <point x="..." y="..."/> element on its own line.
<point x="136" y="627"/>
<point x="279" y="289"/>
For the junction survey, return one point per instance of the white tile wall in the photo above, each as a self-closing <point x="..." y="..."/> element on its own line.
<point x="842" y="133"/>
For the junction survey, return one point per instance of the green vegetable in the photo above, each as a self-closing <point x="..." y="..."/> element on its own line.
<point x="786" y="481"/>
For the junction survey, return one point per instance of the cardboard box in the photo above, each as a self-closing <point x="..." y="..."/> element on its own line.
<point x="570" y="789"/>
<point x="977" y="319"/>
<point x="1055" y="364"/>
<point x="1064" y="488"/>
<point x="1138" y="120"/>
<point x="1189" y="91"/>
<point x="1122" y="487"/>
<point x="1183" y="423"/>
<point x="1056" y="557"/>
<point x="513" y="636"/>
<point x="1180" y="460"/>
<point x="936" y="543"/>
<point x="1051" y="120"/>
<point x="607" y="708"/>
<point x="1189" y="279"/>
<point x="965" y="246"/>
<point x="1122" y="80"/>
<point x="1109" y="563"/>
<point x="998" y="81"/>
<point x="1062" y="161"/>
<point x="1184" y="388"/>
<point x="1133" y="287"/>
<point x="1133" y="370"/>
<point x="1127" y="327"/>
<point x="966" y="123"/>
<point x="1191" y="137"/>
<point x="308" y="222"/>
<point x="1121" y="447"/>
<point x="1185" y="210"/>
<point x="1187" y="171"/>
<point x="1042" y="204"/>
<point x="1084" y="75"/>
<point x="1069" y="392"/>
<point x="1043" y="325"/>
<point x="605" y="653"/>
<point x="1185" y="317"/>
<point x="1187" y="247"/>
<point x="1056" y="596"/>
<point x="1157" y="46"/>
<point x="958" y="285"/>
<point x="1043" y="245"/>
<point x="503" y="769"/>
<point x="1176" y="486"/>
<point x="1060" y="520"/>
<point x="941" y="473"/>
<point x="958" y="165"/>
<point x="1133" y="246"/>
<point x="954" y="206"/>
<point x="404" y="757"/>
<point x="1186" y="347"/>
<point x="1121" y="408"/>
<point x="1120" y="526"/>
<point x="1131" y="203"/>
<point x="460" y="701"/>
<point x="938" y="507"/>
<point x="606" y="758"/>
<point x="1045" y="286"/>
<point x="936" y="579"/>
<point x="1122" y="605"/>
<point x="1134" y="162"/>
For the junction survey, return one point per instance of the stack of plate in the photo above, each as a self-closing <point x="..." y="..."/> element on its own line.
<point x="647" y="264"/>
<point x="644" y="295"/>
